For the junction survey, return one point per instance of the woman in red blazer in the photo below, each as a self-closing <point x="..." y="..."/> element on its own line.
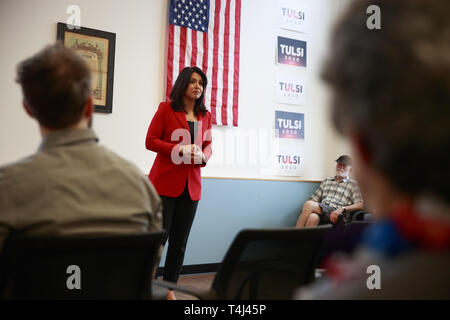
<point x="180" y="134"/>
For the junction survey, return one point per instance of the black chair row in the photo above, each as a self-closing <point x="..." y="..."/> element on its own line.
<point x="100" y="267"/>
<point x="260" y="264"/>
<point x="264" y="264"/>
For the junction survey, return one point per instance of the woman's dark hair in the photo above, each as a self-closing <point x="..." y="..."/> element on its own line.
<point x="391" y="87"/>
<point x="179" y="89"/>
<point x="56" y="83"/>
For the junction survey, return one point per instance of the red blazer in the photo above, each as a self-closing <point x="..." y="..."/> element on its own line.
<point x="168" y="177"/>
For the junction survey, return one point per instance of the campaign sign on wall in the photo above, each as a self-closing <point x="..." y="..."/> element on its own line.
<point x="290" y="125"/>
<point x="289" y="89"/>
<point x="292" y="15"/>
<point x="291" y="52"/>
<point x="288" y="161"/>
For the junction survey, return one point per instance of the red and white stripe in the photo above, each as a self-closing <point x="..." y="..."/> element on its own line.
<point x="216" y="53"/>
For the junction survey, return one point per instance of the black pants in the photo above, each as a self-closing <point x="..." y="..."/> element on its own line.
<point x="178" y="216"/>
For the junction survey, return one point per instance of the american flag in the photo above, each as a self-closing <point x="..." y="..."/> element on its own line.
<point x="205" y="33"/>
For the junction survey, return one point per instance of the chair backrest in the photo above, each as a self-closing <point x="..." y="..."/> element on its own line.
<point x="343" y="238"/>
<point x="105" y="267"/>
<point x="269" y="263"/>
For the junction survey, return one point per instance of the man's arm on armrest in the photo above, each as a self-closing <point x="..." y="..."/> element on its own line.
<point x="355" y="206"/>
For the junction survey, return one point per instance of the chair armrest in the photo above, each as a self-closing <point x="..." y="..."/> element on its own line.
<point x="357" y="214"/>
<point x="201" y="294"/>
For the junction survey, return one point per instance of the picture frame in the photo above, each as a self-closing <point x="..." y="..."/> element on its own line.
<point x="97" y="48"/>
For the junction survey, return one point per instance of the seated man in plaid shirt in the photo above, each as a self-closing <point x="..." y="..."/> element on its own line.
<point x="335" y="196"/>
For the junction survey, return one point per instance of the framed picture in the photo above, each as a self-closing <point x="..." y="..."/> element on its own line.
<point x="98" y="49"/>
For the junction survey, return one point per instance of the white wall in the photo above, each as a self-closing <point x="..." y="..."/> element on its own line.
<point x="26" y="26"/>
<point x="141" y="31"/>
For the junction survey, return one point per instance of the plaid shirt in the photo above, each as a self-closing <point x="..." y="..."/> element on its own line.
<point x="337" y="194"/>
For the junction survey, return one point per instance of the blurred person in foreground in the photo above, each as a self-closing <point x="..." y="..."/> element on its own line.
<point x="392" y="101"/>
<point x="71" y="185"/>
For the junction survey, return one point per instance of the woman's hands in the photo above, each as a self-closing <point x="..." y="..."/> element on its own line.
<point x="192" y="154"/>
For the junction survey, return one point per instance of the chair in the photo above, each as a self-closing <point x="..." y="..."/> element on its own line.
<point x="263" y="264"/>
<point x="110" y="267"/>
<point x="359" y="215"/>
<point x="343" y="238"/>
<point x="351" y="216"/>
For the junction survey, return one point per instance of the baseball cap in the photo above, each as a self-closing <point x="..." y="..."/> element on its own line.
<point x="345" y="160"/>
